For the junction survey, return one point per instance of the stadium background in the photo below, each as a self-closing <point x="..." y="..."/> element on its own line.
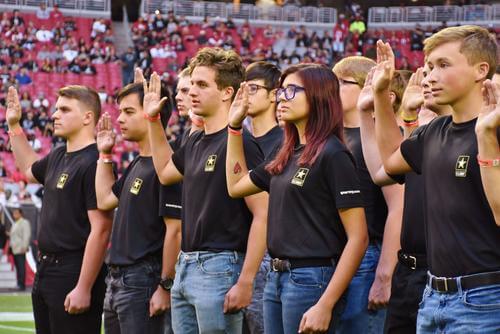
<point x="49" y="44"/>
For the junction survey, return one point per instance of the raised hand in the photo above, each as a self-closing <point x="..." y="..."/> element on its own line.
<point x="138" y="75"/>
<point x="365" y="99"/>
<point x="413" y="97"/>
<point x="489" y="117"/>
<point x="105" y="135"/>
<point x="384" y="71"/>
<point x="13" y="113"/>
<point x="152" y="103"/>
<point x="239" y="107"/>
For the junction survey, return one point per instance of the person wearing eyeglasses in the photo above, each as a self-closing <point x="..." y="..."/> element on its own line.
<point x="370" y="289"/>
<point x="317" y="233"/>
<point x="262" y="80"/>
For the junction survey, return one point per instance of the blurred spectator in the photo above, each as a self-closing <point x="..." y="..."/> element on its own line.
<point x="128" y="61"/>
<point x="358" y="25"/>
<point x="98" y="28"/>
<point x="41" y="101"/>
<point x="3" y="145"/>
<point x="3" y="171"/>
<point x="35" y="143"/>
<point x="20" y="236"/>
<point x="417" y="38"/>
<point x="28" y="123"/>
<point x="43" y="13"/>
<point x="23" y="77"/>
<point x="16" y="20"/>
<point x="202" y="38"/>
<point x="25" y="101"/>
<point x="44" y="35"/>
<point x="56" y="15"/>
<point x="41" y="122"/>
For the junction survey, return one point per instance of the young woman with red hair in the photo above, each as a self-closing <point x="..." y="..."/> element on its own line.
<point x="316" y="232"/>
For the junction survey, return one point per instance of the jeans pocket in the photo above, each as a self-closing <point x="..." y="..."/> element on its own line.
<point x="483" y="298"/>
<point x="139" y="280"/>
<point x="307" y="277"/>
<point x="217" y="266"/>
<point x="427" y="293"/>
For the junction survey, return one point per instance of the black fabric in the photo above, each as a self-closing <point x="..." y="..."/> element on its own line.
<point x="212" y="220"/>
<point x="138" y="227"/>
<point x="303" y="219"/>
<point x="69" y="192"/>
<point x="375" y="206"/>
<point x="462" y="236"/>
<point x="271" y="141"/>
<point x="406" y="293"/>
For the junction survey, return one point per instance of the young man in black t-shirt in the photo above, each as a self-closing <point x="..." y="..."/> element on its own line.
<point x="223" y="239"/>
<point x="370" y="289"/>
<point x="461" y="209"/>
<point x="146" y="235"/>
<point x="68" y="291"/>
<point x="262" y="80"/>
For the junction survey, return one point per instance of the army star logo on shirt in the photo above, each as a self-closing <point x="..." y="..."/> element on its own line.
<point x="136" y="186"/>
<point x="62" y="180"/>
<point x="461" y="166"/>
<point x="210" y="164"/>
<point x="300" y="177"/>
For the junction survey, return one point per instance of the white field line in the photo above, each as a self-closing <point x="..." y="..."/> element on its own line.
<point x="16" y="316"/>
<point x="17" y="329"/>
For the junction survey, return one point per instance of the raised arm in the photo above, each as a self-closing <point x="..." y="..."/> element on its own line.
<point x="386" y="127"/>
<point x="104" y="177"/>
<point x="238" y="181"/>
<point x="487" y="131"/>
<point x="160" y="148"/>
<point x="413" y="99"/>
<point x="23" y="152"/>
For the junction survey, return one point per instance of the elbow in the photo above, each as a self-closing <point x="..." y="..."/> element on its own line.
<point x="233" y="193"/>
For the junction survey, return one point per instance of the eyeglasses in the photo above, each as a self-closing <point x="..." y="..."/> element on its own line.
<point x="289" y="91"/>
<point x="347" y="82"/>
<point x="253" y="88"/>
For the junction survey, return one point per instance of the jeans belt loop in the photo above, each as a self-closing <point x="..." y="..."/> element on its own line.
<point x="236" y="256"/>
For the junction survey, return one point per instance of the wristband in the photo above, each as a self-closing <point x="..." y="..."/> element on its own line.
<point x="410" y="124"/>
<point x="488" y="162"/>
<point x="106" y="158"/>
<point x="234" y="127"/>
<point x="236" y="132"/>
<point x="16" y="132"/>
<point x="152" y="119"/>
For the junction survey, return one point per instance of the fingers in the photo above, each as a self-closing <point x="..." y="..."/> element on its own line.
<point x="67" y="303"/>
<point x="369" y="77"/>
<point x="419" y="76"/>
<point x="226" y="303"/>
<point x="302" y="325"/>
<point x="155" y="78"/>
<point x="493" y="91"/>
<point x="138" y="75"/>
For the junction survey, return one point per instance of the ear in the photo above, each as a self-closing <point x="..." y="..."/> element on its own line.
<point x="482" y="70"/>
<point x="392" y="95"/>
<point x="88" y="118"/>
<point x="272" y="94"/>
<point x="227" y="94"/>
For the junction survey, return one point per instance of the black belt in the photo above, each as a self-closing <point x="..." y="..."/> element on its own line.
<point x="450" y="285"/>
<point x="56" y="257"/>
<point x="412" y="261"/>
<point x="285" y="265"/>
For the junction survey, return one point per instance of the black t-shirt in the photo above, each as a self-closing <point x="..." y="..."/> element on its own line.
<point x="413" y="227"/>
<point x="462" y="237"/>
<point x="212" y="220"/>
<point x="138" y="227"/>
<point x="269" y="142"/>
<point x="69" y="182"/>
<point x="303" y="219"/>
<point x="375" y="206"/>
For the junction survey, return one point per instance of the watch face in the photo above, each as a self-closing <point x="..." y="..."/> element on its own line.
<point x="167" y="283"/>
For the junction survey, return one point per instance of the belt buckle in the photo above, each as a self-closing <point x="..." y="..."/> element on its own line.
<point x="413" y="261"/>
<point x="442" y="279"/>
<point x="274" y="264"/>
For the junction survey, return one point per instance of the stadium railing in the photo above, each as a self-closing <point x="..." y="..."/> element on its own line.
<point x="408" y="17"/>
<point x="94" y="8"/>
<point x="323" y="17"/>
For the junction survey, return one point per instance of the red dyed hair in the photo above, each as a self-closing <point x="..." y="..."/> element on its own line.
<point x="325" y="116"/>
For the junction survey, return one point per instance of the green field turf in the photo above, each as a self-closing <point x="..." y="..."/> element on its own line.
<point x="15" y="302"/>
<point x="15" y="327"/>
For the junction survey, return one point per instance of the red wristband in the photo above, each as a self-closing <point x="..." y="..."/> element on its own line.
<point x="105" y="156"/>
<point x="152" y="119"/>
<point x="488" y="162"/>
<point x="16" y="132"/>
<point x="235" y="132"/>
<point x="409" y="124"/>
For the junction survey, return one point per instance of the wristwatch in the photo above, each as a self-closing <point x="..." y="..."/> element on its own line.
<point x="166" y="284"/>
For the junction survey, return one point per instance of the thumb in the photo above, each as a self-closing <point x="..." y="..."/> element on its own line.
<point x="67" y="303"/>
<point x="151" y="308"/>
<point x="302" y="324"/>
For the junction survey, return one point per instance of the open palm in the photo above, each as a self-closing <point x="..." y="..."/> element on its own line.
<point x="105" y="134"/>
<point x="13" y="112"/>
<point x="153" y="103"/>
<point x="489" y="117"/>
<point x="239" y="107"/>
<point x="413" y="97"/>
<point x="365" y="99"/>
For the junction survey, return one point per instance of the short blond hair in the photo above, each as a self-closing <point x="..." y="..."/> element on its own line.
<point x="356" y="67"/>
<point x="398" y="85"/>
<point x="477" y="44"/>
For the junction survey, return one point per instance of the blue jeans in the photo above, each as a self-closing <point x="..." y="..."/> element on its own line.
<point x="202" y="280"/>
<point x="254" y="318"/>
<point x="356" y="317"/>
<point x="466" y="311"/>
<point x="288" y="295"/>
<point x="126" y="304"/>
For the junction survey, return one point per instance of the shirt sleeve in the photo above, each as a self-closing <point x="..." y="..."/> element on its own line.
<point x="253" y="154"/>
<point x="170" y="201"/>
<point x="39" y="169"/>
<point x="261" y="177"/>
<point x="178" y="157"/>
<point x="412" y="149"/>
<point x="118" y="186"/>
<point x="89" y="187"/>
<point x="343" y="181"/>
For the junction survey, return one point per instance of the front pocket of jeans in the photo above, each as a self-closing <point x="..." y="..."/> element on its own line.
<point x="484" y="298"/>
<point x="138" y="280"/>
<point x="307" y="277"/>
<point x="219" y="266"/>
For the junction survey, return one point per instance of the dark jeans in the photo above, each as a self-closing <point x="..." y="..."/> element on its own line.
<point x="126" y="305"/>
<point x="254" y="319"/>
<point x="20" y="263"/>
<point x="406" y="293"/>
<point x="55" y="278"/>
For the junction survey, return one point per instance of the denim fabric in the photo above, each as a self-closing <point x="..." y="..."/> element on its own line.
<point x="202" y="280"/>
<point x="466" y="311"/>
<point x="356" y="317"/>
<point x="254" y="319"/>
<point x="288" y="295"/>
<point x="126" y="305"/>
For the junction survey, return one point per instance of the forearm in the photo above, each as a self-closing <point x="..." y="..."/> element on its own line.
<point x="160" y="149"/>
<point x="171" y="249"/>
<point x="104" y="180"/>
<point x="488" y="149"/>
<point x="236" y="166"/>
<point x="256" y="248"/>
<point x="23" y="152"/>
<point x="93" y="258"/>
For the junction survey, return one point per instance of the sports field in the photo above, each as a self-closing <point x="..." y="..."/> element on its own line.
<point x="16" y="314"/>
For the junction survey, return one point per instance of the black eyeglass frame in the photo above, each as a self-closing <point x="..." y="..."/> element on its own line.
<point x="292" y="89"/>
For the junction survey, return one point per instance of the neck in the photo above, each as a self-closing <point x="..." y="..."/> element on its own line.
<point x="301" y="129"/>
<point x="351" y="119"/>
<point x="217" y="121"/>
<point x="468" y="107"/>
<point x="144" y="147"/>
<point x="79" y="141"/>
<point x="263" y="123"/>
